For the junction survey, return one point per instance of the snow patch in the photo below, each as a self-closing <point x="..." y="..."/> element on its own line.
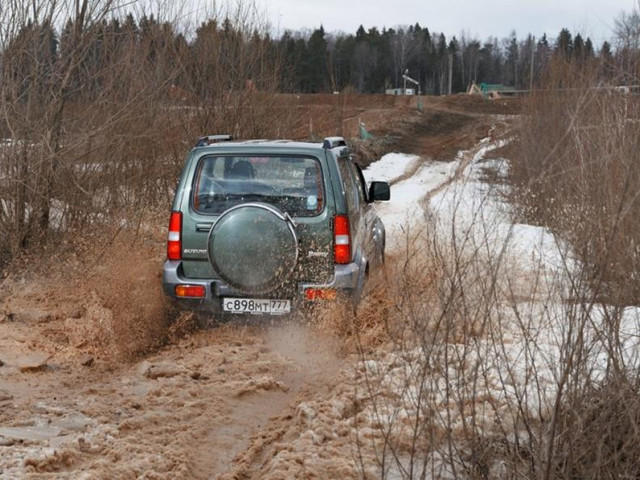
<point x="404" y="213"/>
<point x="390" y="167"/>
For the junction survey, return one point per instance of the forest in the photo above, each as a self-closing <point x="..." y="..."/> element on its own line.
<point x="312" y="61"/>
<point x="371" y="60"/>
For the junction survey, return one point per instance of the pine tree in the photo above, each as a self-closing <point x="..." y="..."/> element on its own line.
<point x="564" y="44"/>
<point x="579" y="52"/>
<point x="315" y="63"/>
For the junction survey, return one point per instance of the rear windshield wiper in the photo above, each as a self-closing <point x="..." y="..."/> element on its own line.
<point x="250" y="196"/>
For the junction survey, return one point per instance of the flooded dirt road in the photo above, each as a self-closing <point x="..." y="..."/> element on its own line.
<point x="202" y="407"/>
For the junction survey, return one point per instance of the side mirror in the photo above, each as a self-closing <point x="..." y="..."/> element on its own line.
<point x="379" y="191"/>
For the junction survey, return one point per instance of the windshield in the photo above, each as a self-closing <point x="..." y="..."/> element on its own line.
<point x="293" y="184"/>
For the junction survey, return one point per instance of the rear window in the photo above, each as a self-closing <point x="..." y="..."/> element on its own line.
<point x="293" y="184"/>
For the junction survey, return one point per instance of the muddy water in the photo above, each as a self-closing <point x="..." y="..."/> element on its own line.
<point x="311" y="361"/>
<point x="313" y="354"/>
<point x="206" y="406"/>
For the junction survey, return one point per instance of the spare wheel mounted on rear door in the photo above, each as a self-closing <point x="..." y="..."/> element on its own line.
<point x="253" y="247"/>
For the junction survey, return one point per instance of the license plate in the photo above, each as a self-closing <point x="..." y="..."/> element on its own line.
<point x="256" y="306"/>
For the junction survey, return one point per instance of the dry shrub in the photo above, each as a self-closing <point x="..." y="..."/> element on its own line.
<point x="97" y="116"/>
<point x="502" y="366"/>
<point x="415" y="317"/>
<point x="432" y="395"/>
<point x="599" y="432"/>
<point x="578" y="173"/>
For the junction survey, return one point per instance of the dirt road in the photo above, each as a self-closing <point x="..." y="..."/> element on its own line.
<point x="247" y="399"/>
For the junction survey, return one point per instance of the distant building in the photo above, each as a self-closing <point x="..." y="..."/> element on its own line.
<point x="492" y="91"/>
<point x="400" y="91"/>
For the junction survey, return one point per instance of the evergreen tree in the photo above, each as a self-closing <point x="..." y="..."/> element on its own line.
<point x="380" y="62"/>
<point x="29" y="62"/>
<point x="564" y="44"/>
<point x="607" y="63"/>
<point x="205" y="60"/>
<point x="579" y="52"/>
<point x="314" y="72"/>
<point x="512" y="73"/>
<point x="588" y="48"/>
<point x="290" y="74"/>
<point x="442" y="58"/>
<point x="527" y="55"/>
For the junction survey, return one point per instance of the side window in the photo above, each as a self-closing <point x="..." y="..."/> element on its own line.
<point x="348" y="185"/>
<point x="359" y="179"/>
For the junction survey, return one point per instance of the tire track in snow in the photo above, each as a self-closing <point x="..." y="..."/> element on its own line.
<point x="405" y="212"/>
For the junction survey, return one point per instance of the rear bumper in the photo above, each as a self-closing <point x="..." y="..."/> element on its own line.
<point x="346" y="280"/>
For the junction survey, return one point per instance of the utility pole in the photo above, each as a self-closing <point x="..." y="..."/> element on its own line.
<point x="533" y="49"/>
<point x="450" y="72"/>
<point x="407" y="78"/>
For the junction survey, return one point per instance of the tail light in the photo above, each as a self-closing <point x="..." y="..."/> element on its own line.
<point x="320" y="294"/>
<point x="190" y="291"/>
<point x="342" y="243"/>
<point x="174" y="239"/>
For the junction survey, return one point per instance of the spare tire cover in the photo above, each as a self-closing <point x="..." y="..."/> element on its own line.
<point x="253" y="247"/>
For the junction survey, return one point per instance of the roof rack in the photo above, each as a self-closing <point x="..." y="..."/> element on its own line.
<point x="209" y="139"/>
<point x="333" y="142"/>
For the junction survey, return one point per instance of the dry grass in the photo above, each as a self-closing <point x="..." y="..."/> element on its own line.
<point x="500" y="371"/>
<point x="578" y="173"/>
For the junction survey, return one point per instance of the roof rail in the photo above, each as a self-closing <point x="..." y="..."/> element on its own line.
<point x="333" y="142"/>
<point x="209" y="139"/>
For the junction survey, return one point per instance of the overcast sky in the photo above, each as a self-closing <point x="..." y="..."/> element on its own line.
<point x="478" y="18"/>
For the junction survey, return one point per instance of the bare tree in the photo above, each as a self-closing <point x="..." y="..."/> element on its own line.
<point x="403" y="50"/>
<point x="97" y="102"/>
<point x="627" y="28"/>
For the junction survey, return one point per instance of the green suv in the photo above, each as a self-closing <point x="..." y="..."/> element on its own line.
<point x="265" y="227"/>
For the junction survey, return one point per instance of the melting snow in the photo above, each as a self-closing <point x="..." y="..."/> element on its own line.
<point x="390" y="167"/>
<point x="404" y="210"/>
